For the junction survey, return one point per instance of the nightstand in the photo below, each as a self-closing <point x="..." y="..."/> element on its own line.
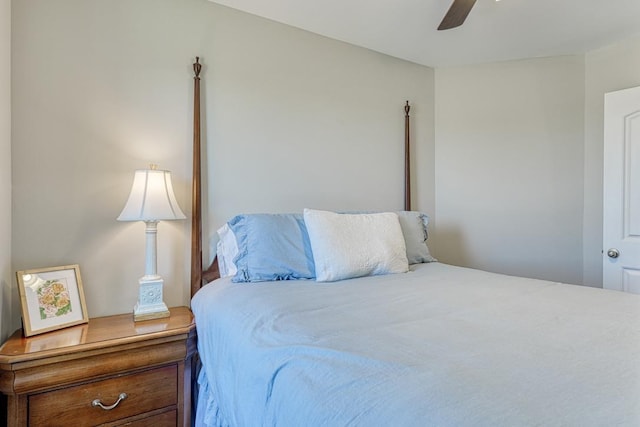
<point x="112" y="371"/>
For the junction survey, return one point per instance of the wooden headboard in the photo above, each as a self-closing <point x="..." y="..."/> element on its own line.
<point x="200" y="276"/>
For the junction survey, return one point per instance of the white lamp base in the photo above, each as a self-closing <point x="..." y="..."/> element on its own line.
<point x="150" y="304"/>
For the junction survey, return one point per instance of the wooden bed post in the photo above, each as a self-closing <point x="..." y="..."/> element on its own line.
<point x="407" y="160"/>
<point x="196" y="204"/>
<point x="199" y="276"/>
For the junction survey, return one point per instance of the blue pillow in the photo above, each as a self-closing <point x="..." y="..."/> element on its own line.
<point x="414" y="229"/>
<point x="272" y="247"/>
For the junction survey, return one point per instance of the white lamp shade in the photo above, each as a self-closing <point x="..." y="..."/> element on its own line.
<point x="151" y="198"/>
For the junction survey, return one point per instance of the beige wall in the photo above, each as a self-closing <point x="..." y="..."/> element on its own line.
<point x="105" y="87"/>
<point x="509" y="167"/>
<point x="291" y="119"/>
<point x="5" y="169"/>
<point x="295" y="120"/>
<point x="483" y="217"/>
<point x="608" y="69"/>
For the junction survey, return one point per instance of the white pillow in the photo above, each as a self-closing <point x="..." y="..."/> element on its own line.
<point x="346" y="246"/>
<point x="226" y="250"/>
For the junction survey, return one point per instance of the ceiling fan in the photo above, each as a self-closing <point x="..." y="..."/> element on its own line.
<point x="457" y="14"/>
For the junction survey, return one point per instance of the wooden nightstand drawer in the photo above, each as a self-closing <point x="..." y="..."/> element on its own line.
<point x="165" y="419"/>
<point x="146" y="391"/>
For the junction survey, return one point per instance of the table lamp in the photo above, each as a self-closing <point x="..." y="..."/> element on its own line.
<point x="151" y="200"/>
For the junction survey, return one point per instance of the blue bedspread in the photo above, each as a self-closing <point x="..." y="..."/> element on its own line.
<point x="438" y="346"/>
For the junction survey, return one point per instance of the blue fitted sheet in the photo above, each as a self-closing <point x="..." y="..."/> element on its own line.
<point x="438" y="346"/>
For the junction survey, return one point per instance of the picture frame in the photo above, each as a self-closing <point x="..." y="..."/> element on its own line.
<point x="51" y="298"/>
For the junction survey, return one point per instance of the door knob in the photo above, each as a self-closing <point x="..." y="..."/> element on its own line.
<point x="613" y="253"/>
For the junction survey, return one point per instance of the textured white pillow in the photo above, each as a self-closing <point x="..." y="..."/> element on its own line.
<point x="346" y="246"/>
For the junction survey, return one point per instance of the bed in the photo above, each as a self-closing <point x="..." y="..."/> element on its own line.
<point x="294" y="329"/>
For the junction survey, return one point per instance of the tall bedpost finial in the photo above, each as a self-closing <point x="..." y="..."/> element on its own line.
<point x="197" y="67"/>
<point x="407" y="107"/>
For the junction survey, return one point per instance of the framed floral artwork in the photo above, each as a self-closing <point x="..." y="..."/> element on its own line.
<point x="51" y="298"/>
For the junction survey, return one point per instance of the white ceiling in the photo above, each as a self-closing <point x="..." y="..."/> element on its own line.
<point x="494" y="30"/>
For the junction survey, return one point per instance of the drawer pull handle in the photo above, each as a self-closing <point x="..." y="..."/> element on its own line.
<point x="98" y="402"/>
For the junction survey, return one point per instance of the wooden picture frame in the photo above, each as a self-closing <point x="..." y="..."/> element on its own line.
<point x="51" y="298"/>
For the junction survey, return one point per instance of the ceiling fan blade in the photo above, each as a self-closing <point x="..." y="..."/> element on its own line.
<point x="457" y="14"/>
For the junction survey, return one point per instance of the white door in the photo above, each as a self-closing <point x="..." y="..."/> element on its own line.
<point x="621" y="254"/>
